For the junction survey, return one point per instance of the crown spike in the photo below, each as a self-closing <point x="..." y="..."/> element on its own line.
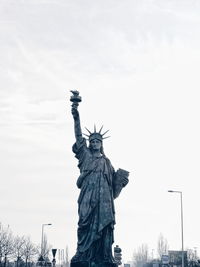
<point x="100" y="129"/>
<point x="95" y="130"/>
<point x="105" y="133"/>
<point x="88" y="130"/>
<point x="106" y="137"/>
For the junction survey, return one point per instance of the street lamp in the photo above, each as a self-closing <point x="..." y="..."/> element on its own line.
<point x="179" y="192"/>
<point x="44" y="224"/>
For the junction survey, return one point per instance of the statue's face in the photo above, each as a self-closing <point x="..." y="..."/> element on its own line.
<point x="95" y="144"/>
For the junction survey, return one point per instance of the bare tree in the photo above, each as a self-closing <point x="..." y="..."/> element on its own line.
<point x="192" y="257"/>
<point x="6" y="244"/>
<point x="1" y="243"/>
<point x="29" y="250"/>
<point x="67" y="256"/>
<point x="141" y="255"/>
<point x="18" y="248"/>
<point x="162" y="247"/>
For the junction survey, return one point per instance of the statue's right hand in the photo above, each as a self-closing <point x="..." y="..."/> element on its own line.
<point x="75" y="113"/>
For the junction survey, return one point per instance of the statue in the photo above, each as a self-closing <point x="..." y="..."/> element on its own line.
<point x="99" y="185"/>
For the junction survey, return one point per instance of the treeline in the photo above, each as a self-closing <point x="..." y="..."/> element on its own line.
<point x="143" y="256"/>
<point x="18" y="250"/>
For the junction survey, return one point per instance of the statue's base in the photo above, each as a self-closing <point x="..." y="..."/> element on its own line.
<point x="92" y="264"/>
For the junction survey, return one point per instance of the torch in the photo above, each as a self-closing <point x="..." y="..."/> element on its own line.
<point x="75" y="98"/>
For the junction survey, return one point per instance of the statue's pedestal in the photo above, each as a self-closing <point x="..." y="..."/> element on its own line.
<point x="92" y="264"/>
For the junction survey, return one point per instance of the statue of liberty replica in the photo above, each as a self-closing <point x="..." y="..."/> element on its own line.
<point x="99" y="185"/>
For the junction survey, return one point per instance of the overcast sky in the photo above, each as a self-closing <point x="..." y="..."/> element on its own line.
<point x="136" y="64"/>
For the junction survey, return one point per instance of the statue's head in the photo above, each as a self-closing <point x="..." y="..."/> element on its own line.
<point x="96" y="139"/>
<point x="95" y="144"/>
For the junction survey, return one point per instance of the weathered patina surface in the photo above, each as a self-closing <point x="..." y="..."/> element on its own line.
<point x="99" y="185"/>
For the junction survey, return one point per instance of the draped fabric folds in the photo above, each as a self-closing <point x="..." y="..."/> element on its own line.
<point x="95" y="206"/>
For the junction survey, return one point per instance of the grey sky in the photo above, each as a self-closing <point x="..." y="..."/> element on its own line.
<point x="136" y="64"/>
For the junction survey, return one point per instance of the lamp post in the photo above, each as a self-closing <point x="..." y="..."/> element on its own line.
<point x="44" y="224"/>
<point x="181" y="198"/>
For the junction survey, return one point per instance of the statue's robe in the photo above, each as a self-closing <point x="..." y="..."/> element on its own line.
<point x="95" y="206"/>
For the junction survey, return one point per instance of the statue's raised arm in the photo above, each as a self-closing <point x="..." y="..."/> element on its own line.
<point x="75" y="99"/>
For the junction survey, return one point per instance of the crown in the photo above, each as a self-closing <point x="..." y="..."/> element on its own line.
<point x="96" y="135"/>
